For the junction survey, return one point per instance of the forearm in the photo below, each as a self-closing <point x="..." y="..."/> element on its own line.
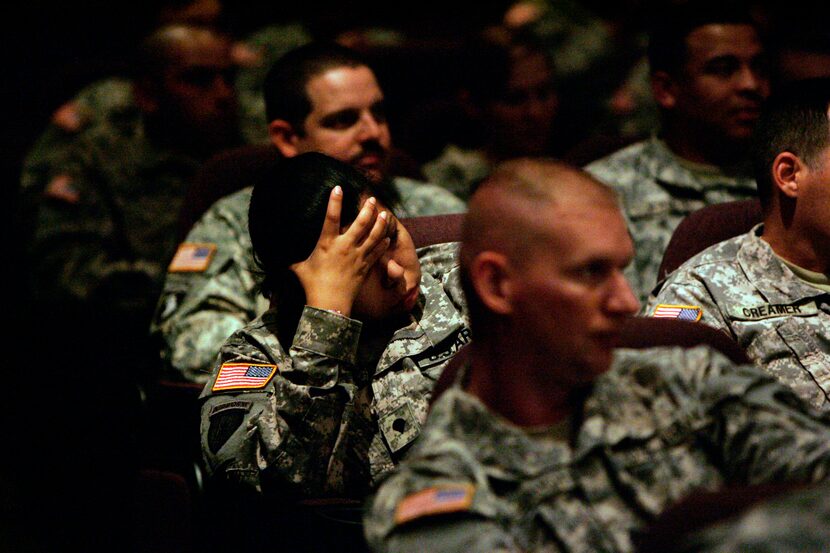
<point x="294" y="429"/>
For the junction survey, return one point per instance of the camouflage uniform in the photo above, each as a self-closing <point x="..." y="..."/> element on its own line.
<point x="343" y="407"/>
<point x="199" y="310"/>
<point x="782" y="322"/>
<point x="458" y="170"/>
<point x="663" y="423"/>
<point x="658" y="190"/>
<point x="106" y="102"/>
<point x="114" y="223"/>
<point x="799" y="521"/>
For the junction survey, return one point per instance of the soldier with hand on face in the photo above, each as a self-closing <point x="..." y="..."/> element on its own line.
<point x="326" y="391"/>
<point x="319" y="98"/>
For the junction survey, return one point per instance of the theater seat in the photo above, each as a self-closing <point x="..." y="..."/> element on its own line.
<point x="706" y="227"/>
<point x="221" y="175"/>
<point x="434" y="229"/>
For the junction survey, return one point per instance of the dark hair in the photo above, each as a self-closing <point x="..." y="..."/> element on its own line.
<point x="285" y="85"/>
<point x="794" y="119"/>
<point x="285" y="218"/>
<point x="487" y="60"/>
<point x="667" y="48"/>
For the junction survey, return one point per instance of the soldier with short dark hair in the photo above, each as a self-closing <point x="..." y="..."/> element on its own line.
<point x="709" y="79"/>
<point x="320" y="98"/>
<point x="768" y="289"/>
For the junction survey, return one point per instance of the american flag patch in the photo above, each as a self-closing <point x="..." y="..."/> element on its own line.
<point x="681" y="312"/>
<point x="192" y="258"/>
<point x="433" y="501"/>
<point x="233" y="376"/>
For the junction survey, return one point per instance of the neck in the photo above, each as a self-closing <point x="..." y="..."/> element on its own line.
<point x="505" y="379"/>
<point x="806" y="248"/>
<point x="720" y="153"/>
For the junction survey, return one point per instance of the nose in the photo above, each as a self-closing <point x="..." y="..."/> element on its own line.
<point x="621" y="299"/>
<point x="370" y="128"/>
<point x="752" y="80"/>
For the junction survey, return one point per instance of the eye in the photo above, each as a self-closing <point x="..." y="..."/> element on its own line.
<point x="378" y="111"/>
<point x="722" y="67"/>
<point x="340" y="120"/>
<point x="595" y="272"/>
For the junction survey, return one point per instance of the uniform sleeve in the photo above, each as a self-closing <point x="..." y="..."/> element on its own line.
<point x="683" y="289"/>
<point x="80" y="251"/>
<point x="408" y="515"/>
<point x="199" y="310"/>
<point x="760" y="430"/>
<point x="285" y="433"/>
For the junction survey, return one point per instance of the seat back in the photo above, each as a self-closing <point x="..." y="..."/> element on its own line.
<point x="221" y="175"/>
<point x="706" y="227"/>
<point x="434" y="229"/>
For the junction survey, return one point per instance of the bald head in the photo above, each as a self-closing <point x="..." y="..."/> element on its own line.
<point x="167" y="46"/>
<point x="507" y="212"/>
<point x="544" y="250"/>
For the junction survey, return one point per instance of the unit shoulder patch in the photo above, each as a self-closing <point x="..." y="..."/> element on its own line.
<point x="243" y="376"/>
<point x="192" y="257"/>
<point x="437" y="500"/>
<point x="680" y="312"/>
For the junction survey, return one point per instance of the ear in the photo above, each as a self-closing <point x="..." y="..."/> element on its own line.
<point x="664" y="89"/>
<point x="145" y="96"/>
<point x="787" y="170"/>
<point x="492" y="280"/>
<point x="284" y="137"/>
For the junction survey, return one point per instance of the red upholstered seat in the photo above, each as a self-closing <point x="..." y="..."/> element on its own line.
<point x="706" y="227"/>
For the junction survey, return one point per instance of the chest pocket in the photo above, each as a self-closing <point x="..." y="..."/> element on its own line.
<point x="661" y="467"/>
<point x="789" y="351"/>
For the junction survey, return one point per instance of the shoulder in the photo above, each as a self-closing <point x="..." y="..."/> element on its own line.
<point x="718" y="257"/>
<point x="620" y="161"/>
<point x="692" y="378"/>
<point x="248" y="359"/>
<point x="420" y="198"/>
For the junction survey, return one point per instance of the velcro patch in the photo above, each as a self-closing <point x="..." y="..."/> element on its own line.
<point x="445" y="350"/>
<point x="680" y="312"/>
<point x="435" y="501"/>
<point x="61" y="188"/>
<point x="192" y="258"/>
<point x="236" y="376"/>
<point x="769" y="310"/>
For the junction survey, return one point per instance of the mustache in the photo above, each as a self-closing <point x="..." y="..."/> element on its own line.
<point x="371" y="147"/>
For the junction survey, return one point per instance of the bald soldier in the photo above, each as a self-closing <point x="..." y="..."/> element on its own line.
<point x="539" y="446"/>
<point x="106" y="218"/>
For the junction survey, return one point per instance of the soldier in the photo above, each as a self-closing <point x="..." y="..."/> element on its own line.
<point x="796" y="521"/>
<point x="331" y="385"/>
<point x="319" y="98"/>
<point x="508" y="92"/>
<point x="768" y="288"/>
<point x="708" y="78"/>
<point x="105" y="227"/>
<point x="539" y="447"/>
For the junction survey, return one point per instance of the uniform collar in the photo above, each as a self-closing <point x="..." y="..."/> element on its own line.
<point x="669" y="169"/>
<point x="774" y="280"/>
